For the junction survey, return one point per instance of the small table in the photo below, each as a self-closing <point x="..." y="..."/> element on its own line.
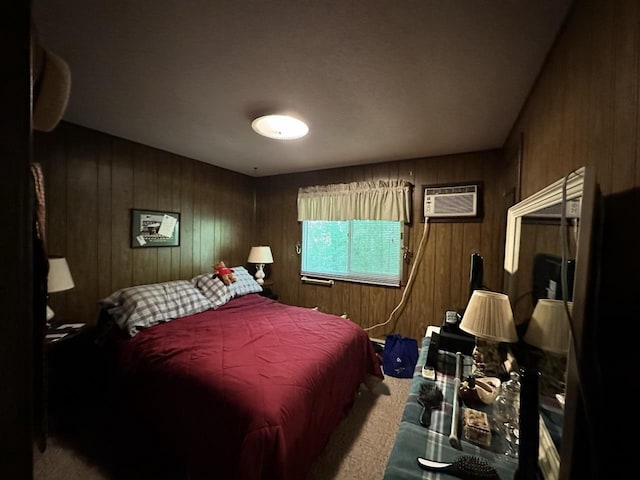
<point x="267" y="290"/>
<point x="68" y="366"/>
<point x="414" y="440"/>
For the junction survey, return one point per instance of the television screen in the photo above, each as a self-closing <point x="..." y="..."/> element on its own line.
<point x="547" y="277"/>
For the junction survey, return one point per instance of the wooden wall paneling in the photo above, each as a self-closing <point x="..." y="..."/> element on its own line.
<point x="537" y="149"/>
<point x="554" y="127"/>
<point x="210" y="221"/>
<point x="578" y="95"/>
<point x="175" y="194"/>
<point x="418" y="300"/>
<point x="90" y="175"/>
<point x="122" y="187"/>
<point x="145" y="197"/>
<point x="467" y="235"/>
<point x="423" y="292"/>
<point x="287" y="276"/>
<point x="53" y="157"/>
<point x="186" y="216"/>
<point x="237" y="252"/>
<point x="405" y="170"/>
<point x="601" y="102"/>
<point x="570" y="119"/>
<point x="459" y="261"/>
<point x="219" y="203"/>
<point x="105" y="216"/>
<point x="522" y="279"/>
<point x="625" y="134"/>
<point x="492" y="233"/>
<point x="165" y="204"/>
<point x="286" y="267"/>
<point x="196" y="222"/>
<point x="82" y="226"/>
<point x="210" y="225"/>
<point x="246" y="231"/>
<point x="443" y="241"/>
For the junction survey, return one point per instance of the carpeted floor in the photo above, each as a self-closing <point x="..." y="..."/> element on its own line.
<point x="87" y="448"/>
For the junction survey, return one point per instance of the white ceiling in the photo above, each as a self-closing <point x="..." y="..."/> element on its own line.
<point x="376" y="80"/>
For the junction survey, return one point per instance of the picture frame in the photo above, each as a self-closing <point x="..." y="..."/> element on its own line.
<point x="154" y="228"/>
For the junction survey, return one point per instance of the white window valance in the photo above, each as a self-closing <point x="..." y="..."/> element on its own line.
<point x="379" y="200"/>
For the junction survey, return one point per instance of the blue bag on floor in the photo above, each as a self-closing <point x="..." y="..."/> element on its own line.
<point x="400" y="356"/>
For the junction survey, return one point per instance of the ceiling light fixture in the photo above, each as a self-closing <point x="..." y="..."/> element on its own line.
<point x="280" y="127"/>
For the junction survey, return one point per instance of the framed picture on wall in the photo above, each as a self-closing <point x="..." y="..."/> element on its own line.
<point x="154" y="228"/>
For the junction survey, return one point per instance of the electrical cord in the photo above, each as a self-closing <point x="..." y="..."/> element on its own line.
<point x="412" y="274"/>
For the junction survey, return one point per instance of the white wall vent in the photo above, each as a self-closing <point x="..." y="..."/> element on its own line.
<point x="451" y="201"/>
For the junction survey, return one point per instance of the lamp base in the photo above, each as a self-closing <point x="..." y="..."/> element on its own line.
<point x="487" y="359"/>
<point x="260" y="273"/>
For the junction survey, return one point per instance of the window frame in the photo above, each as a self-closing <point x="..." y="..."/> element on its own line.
<point x="350" y="277"/>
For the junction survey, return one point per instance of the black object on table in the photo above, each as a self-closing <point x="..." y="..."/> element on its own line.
<point x="430" y="397"/>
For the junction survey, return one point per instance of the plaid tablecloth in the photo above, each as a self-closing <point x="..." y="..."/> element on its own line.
<point x="414" y="440"/>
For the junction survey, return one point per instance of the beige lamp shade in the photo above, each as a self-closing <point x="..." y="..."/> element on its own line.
<point x="261" y="254"/>
<point x="549" y="326"/>
<point x="489" y="316"/>
<point x="59" y="277"/>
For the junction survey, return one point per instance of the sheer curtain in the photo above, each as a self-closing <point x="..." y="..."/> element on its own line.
<point x="379" y="200"/>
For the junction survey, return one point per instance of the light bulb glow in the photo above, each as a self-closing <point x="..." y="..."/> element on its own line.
<point x="280" y="127"/>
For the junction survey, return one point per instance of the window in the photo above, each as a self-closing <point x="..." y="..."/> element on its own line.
<point x="366" y="251"/>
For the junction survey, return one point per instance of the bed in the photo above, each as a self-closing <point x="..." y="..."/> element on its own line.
<point x="242" y="387"/>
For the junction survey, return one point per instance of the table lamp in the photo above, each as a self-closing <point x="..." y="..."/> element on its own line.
<point x="260" y="256"/>
<point x="549" y="326"/>
<point x="58" y="280"/>
<point x="549" y="331"/>
<point x="489" y="318"/>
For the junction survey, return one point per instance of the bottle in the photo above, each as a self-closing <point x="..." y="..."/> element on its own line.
<point x="506" y="413"/>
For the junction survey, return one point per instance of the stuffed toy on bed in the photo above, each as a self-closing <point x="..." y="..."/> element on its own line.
<point x="224" y="273"/>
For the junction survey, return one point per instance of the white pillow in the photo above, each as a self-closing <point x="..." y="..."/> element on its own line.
<point x="245" y="283"/>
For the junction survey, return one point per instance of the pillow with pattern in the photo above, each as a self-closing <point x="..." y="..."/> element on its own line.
<point x="143" y="306"/>
<point x="245" y="283"/>
<point x="213" y="288"/>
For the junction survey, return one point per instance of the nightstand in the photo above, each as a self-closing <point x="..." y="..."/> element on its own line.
<point x="70" y="357"/>
<point x="267" y="290"/>
<point x="63" y="332"/>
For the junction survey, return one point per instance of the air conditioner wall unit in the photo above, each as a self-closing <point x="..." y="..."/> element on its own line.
<point x="452" y="201"/>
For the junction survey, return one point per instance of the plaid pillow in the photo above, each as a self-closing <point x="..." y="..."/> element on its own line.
<point x="213" y="288"/>
<point x="143" y="306"/>
<point x="244" y="284"/>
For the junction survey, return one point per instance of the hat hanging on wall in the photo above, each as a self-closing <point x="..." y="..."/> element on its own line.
<point x="51" y="87"/>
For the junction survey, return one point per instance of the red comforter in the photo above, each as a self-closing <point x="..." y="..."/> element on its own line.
<point x="252" y="390"/>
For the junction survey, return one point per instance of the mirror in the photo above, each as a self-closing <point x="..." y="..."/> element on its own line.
<point x="533" y="236"/>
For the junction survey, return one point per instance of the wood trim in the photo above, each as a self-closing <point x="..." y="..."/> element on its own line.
<point x="548" y="196"/>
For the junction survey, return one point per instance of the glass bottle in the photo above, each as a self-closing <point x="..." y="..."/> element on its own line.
<point x="506" y="413"/>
